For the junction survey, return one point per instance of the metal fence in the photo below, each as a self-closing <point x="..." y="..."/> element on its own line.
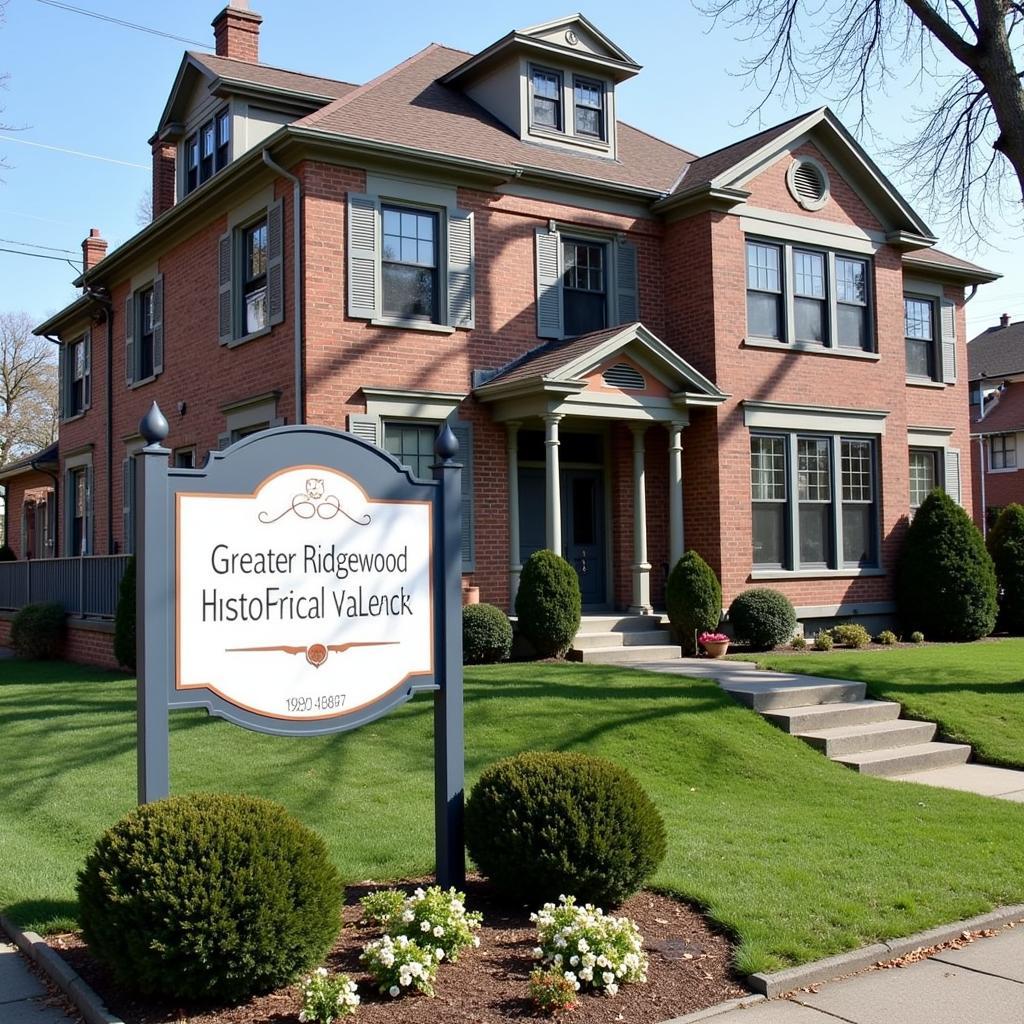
<point x="86" y="586"/>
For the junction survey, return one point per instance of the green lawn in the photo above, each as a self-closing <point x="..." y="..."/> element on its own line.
<point x="796" y="856"/>
<point x="974" y="691"/>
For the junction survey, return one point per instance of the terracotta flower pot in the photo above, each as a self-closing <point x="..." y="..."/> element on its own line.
<point x="715" y="648"/>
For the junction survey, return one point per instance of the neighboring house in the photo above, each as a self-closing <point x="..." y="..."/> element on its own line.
<point x="996" y="362"/>
<point x="757" y="353"/>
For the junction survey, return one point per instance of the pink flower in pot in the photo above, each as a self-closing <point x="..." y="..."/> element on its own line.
<point x="714" y="644"/>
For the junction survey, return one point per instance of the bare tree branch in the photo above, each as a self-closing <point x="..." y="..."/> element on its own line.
<point x="28" y="389"/>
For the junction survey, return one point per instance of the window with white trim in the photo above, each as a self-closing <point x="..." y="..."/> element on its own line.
<point x="409" y="271"/>
<point x="814" y="501"/>
<point x="144" y="332"/>
<point x="588" y="103"/>
<point x="546" y="99"/>
<point x="74" y="377"/>
<point x="924" y="474"/>
<point x="184" y="458"/>
<point x="206" y="150"/>
<point x="808" y="296"/>
<point x="1002" y="451"/>
<point x="920" y="335"/>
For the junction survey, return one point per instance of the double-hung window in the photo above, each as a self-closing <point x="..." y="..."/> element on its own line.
<point x="924" y="474"/>
<point x="546" y="99"/>
<point x="412" y="443"/>
<point x="1003" y="451"/>
<point x="919" y="332"/>
<point x="144" y="332"/>
<point x="76" y="391"/>
<point x="250" y="265"/>
<point x="74" y="377"/>
<point x="814" y="501"/>
<point x="588" y="101"/>
<point x="409" y="264"/>
<point x="206" y="149"/>
<point x="253" y="293"/>
<point x="145" y="342"/>
<point x="223" y="138"/>
<point x="807" y="297"/>
<point x="584" y="287"/>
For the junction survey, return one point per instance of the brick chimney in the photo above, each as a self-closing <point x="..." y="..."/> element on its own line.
<point x="164" y="163"/>
<point x="94" y="248"/>
<point x="1004" y="320"/>
<point x="237" y="32"/>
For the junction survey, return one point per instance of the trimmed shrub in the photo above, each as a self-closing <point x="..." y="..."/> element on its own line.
<point x="549" y="604"/>
<point x="37" y="630"/>
<point x="823" y="641"/>
<point x="694" y="599"/>
<point x="7" y="553"/>
<point x="799" y="643"/>
<point x="209" y="897"/>
<point x="486" y="634"/>
<point x="851" y="634"/>
<point x="124" y="619"/>
<point x="763" y="618"/>
<point x="542" y="824"/>
<point x="917" y="637"/>
<point x="946" y="583"/>
<point x="1006" y="546"/>
<point x="887" y="638"/>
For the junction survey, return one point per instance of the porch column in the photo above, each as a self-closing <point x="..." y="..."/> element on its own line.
<point x="675" y="492"/>
<point x="514" y="565"/>
<point x="553" y="497"/>
<point x="641" y="567"/>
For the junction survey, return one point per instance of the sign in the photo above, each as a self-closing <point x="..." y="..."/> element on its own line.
<point x="301" y="582"/>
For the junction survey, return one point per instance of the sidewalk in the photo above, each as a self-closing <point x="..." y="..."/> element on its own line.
<point x="23" y="997"/>
<point x="980" y="984"/>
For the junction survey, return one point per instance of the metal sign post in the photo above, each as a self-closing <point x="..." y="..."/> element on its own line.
<point x="301" y="583"/>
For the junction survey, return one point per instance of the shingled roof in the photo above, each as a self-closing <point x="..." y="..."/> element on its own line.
<point x="1005" y="416"/>
<point x="997" y="352"/>
<point x="939" y="259"/>
<point x="235" y="70"/>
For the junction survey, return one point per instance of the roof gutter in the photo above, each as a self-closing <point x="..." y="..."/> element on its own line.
<point x="297" y="298"/>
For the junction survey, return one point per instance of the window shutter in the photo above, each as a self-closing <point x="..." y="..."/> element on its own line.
<point x="463" y="432"/>
<point x="366" y="427"/>
<point x="224" y="440"/>
<point x="87" y="369"/>
<point x="948" y="321"/>
<point x="128" y="503"/>
<point x="275" y="262"/>
<point x="225" y="308"/>
<point x="627" y="305"/>
<point x="363" y="256"/>
<point x="549" y="284"/>
<point x="62" y="381"/>
<point x="87" y="532"/>
<point x="158" y="324"/>
<point x="461" y="311"/>
<point x="129" y="339"/>
<point x="951" y="479"/>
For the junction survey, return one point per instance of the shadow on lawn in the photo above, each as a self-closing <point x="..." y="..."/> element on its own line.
<point x="48" y="916"/>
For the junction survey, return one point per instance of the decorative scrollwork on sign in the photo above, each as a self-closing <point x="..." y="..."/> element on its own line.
<point x="316" y="654"/>
<point x="314" y="504"/>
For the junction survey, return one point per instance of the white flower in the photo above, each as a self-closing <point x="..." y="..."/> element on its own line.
<point x="408" y="916"/>
<point x="440" y="953"/>
<point x="608" y="978"/>
<point x="586" y="974"/>
<point x="582" y="945"/>
<point x="538" y="953"/>
<point x="302" y="1016"/>
<point x="322" y="971"/>
<point x="560" y="942"/>
<point x="394" y="991"/>
<point x="476" y="941"/>
<point x="612" y="989"/>
<point x="569" y="976"/>
<point x="424" y="926"/>
<point x="573" y="961"/>
<point x="438" y="931"/>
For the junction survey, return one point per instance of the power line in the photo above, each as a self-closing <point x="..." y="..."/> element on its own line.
<point x="124" y="24"/>
<point x="35" y="245"/>
<point x="41" y="256"/>
<point x="73" y="152"/>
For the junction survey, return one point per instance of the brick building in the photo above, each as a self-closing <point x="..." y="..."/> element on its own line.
<point x="996" y="363"/>
<point x="757" y="353"/>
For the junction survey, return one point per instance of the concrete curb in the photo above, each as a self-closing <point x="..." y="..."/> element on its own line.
<point x="713" y="1011"/>
<point x="778" y="983"/>
<point x="57" y="970"/>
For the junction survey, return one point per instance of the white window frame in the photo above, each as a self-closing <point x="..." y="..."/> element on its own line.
<point x="936" y="339"/>
<point x="938" y="454"/>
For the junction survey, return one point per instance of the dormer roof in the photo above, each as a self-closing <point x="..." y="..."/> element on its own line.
<point x="573" y="40"/>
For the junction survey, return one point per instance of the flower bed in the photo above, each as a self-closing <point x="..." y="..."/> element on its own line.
<point x="688" y="969"/>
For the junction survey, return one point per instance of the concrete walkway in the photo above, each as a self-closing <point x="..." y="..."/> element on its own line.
<point x="23" y="997"/>
<point x="980" y="984"/>
<point x="746" y="677"/>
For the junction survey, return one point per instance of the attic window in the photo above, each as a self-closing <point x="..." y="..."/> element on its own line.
<point x="624" y="376"/>
<point x="808" y="183"/>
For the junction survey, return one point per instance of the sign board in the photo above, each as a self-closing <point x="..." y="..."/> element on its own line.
<point x="301" y="582"/>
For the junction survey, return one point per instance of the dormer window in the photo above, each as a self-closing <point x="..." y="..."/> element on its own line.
<point x="589" y="104"/>
<point x="546" y="89"/>
<point x="206" y="150"/>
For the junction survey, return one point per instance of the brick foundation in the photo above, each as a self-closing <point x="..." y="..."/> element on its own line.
<point x="87" y="643"/>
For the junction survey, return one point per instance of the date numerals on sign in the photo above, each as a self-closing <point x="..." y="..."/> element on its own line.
<point x="307" y="705"/>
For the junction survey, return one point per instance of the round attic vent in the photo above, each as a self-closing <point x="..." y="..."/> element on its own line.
<point x="808" y="183"/>
<point x="624" y="376"/>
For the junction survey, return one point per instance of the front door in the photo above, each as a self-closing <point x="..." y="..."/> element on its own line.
<point x="583" y="532"/>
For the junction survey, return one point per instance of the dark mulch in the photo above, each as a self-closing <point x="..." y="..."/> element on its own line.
<point x="690" y="968"/>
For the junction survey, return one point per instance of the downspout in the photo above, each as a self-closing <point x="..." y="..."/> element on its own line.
<point x="981" y="455"/>
<point x="300" y="403"/>
<point x="103" y="299"/>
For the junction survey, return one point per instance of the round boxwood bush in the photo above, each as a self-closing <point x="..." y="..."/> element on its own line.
<point x="946" y="583"/>
<point x="124" y="619"/>
<point x="762" y="618"/>
<point x="693" y="597"/>
<point x="542" y="824"/>
<point x="37" y="630"/>
<point x="1006" y="546"/>
<point x="209" y="897"/>
<point x="486" y="634"/>
<point x="549" y="604"/>
<point x="7" y="553"/>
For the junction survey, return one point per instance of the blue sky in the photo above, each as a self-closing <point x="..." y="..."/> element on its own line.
<point x="83" y="84"/>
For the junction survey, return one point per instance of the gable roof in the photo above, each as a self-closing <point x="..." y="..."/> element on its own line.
<point x="410" y="107"/>
<point x="1007" y="414"/>
<point x="950" y="265"/>
<point x="997" y="352"/>
<point x="47" y="456"/>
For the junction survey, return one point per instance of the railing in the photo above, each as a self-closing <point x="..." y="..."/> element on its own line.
<point x="86" y="586"/>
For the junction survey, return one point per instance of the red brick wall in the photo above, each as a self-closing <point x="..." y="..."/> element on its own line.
<point x="82" y="645"/>
<point x="30" y="485"/>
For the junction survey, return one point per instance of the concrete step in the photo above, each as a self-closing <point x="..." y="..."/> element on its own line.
<point x="596" y="641"/>
<point x="619" y="623"/>
<point x="770" y="697"/>
<point x="856" y="739"/>
<point x="619" y="655"/>
<point x="902" y="760"/>
<point x="815" y="717"/>
<point x="629" y="638"/>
